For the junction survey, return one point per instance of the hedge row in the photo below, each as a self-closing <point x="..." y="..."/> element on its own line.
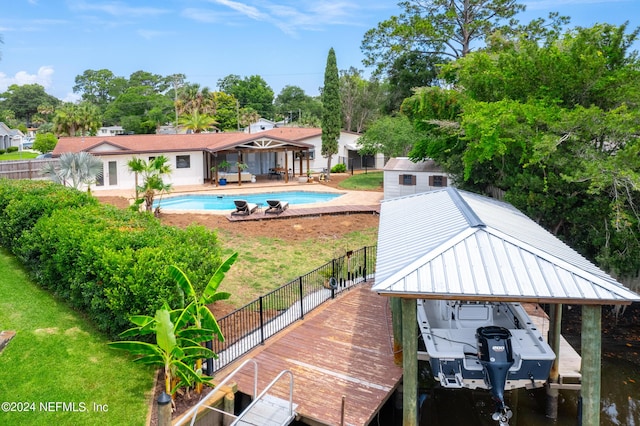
<point x="109" y="263"/>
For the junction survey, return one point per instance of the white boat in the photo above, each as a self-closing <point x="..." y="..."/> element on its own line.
<point x="486" y="345"/>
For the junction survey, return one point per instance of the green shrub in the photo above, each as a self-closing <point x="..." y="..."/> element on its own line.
<point x="339" y="168"/>
<point x="2" y="151"/>
<point x="112" y="263"/>
<point x="23" y="202"/>
<point x="12" y="149"/>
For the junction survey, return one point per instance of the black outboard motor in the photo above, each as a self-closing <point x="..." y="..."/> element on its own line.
<point x="496" y="356"/>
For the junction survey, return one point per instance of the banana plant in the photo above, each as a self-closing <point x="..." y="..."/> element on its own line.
<point x="176" y="349"/>
<point x="196" y="310"/>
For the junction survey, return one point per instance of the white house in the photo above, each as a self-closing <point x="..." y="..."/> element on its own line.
<point x="404" y="177"/>
<point x="291" y="150"/>
<point x="110" y="131"/>
<point x="9" y="137"/>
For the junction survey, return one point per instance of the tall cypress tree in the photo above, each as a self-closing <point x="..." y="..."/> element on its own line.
<point x="331" y="110"/>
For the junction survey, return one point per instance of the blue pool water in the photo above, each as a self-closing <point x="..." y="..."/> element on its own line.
<point x="225" y="202"/>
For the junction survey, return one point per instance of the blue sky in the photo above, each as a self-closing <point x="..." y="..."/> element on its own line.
<point x="50" y="42"/>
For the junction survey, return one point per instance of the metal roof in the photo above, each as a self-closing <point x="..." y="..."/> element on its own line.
<point x="452" y="244"/>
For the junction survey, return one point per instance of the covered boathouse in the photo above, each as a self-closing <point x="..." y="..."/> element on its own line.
<point x="454" y="245"/>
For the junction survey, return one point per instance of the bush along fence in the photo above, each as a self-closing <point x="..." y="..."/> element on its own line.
<point x="249" y="326"/>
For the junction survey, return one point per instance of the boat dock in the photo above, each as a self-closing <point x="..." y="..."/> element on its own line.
<point x="341" y="357"/>
<point x="569" y="366"/>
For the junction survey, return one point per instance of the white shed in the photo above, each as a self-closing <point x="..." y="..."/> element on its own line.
<point x="404" y="177"/>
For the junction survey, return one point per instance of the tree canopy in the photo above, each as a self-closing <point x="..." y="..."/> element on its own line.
<point x="24" y="101"/>
<point x="552" y="128"/>
<point x="251" y="92"/>
<point x="439" y="28"/>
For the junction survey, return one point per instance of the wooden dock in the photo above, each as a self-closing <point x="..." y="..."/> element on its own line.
<point x="569" y="366"/>
<point x="341" y="349"/>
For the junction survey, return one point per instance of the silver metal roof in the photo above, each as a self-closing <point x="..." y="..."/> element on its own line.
<point x="451" y="244"/>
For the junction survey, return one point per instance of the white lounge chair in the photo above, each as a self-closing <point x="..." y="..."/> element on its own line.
<point x="276" y="206"/>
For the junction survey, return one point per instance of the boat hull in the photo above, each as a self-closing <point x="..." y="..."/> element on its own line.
<point x="448" y="330"/>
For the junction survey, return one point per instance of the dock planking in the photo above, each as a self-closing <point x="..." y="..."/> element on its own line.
<point x="343" y="348"/>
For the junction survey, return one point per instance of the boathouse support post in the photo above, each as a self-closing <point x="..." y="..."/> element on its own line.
<point x="396" y="320"/>
<point x="555" y="328"/>
<point x="409" y="363"/>
<point x="591" y="357"/>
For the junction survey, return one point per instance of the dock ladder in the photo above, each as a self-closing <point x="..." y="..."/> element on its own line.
<point x="264" y="409"/>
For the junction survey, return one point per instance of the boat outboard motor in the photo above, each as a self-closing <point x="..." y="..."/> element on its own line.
<point x="496" y="356"/>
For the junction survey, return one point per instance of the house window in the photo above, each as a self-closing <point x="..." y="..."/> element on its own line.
<point x="438" y="181"/>
<point x="183" y="161"/>
<point x="407" y="180"/>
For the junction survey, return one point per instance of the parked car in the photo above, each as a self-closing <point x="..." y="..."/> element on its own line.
<point x="45" y="155"/>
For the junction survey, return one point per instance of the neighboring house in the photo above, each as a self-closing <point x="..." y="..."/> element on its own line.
<point x="110" y="131"/>
<point x="404" y="177"/>
<point x="192" y="156"/>
<point x="263" y="125"/>
<point x="10" y="137"/>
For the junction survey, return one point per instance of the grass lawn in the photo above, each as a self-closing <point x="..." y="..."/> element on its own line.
<point x="364" y="181"/>
<point x="24" y="155"/>
<point x="57" y="367"/>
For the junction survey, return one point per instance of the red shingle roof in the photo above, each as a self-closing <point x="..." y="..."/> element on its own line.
<point x="194" y="142"/>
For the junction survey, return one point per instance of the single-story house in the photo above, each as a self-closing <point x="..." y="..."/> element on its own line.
<point x="10" y="137"/>
<point x="192" y="156"/>
<point x="404" y="177"/>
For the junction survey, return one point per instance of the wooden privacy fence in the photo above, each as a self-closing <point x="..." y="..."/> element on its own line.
<point x="24" y="169"/>
<point x="249" y="326"/>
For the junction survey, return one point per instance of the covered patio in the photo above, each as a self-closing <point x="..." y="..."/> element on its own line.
<point x="264" y="155"/>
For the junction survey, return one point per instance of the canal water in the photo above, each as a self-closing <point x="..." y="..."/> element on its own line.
<point x="620" y="392"/>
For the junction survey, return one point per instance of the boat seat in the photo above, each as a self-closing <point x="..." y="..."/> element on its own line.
<point x="473" y="315"/>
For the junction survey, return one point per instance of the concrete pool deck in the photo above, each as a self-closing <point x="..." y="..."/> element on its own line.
<point x="352" y="199"/>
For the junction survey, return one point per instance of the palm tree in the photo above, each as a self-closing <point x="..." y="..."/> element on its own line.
<point x="74" y="169"/>
<point x="197" y="122"/>
<point x="152" y="183"/>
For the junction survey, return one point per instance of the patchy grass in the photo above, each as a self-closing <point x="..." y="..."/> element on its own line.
<point x="58" y="369"/>
<point x="370" y="181"/>
<point x="265" y="264"/>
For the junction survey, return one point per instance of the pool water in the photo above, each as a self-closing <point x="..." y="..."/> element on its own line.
<point x="225" y="202"/>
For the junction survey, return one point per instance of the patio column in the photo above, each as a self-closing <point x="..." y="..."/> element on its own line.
<point x="591" y="354"/>
<point x="286" y="166"/>
<point x="409" y="363"/>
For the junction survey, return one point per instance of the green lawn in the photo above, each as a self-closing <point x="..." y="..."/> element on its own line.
<point x="57" y="369"/>
<point x="24" y="155"/>
<point x="370" y="181"/>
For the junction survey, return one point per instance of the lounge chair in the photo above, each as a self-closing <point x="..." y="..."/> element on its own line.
<point x="276" y="206"/>
<point x="244" y="208"/>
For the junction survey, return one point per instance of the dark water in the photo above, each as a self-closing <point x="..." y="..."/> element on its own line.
<point x="620" y="393"/>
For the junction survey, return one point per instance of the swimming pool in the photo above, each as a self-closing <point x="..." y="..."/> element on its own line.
<point x="225" y="202"/>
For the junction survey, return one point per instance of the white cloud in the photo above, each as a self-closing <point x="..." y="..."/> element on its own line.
<point x="43" y="77"/>
<point x="244" y="9"/>
<point x="292" y="18"/>
<point x="117" y="8"/>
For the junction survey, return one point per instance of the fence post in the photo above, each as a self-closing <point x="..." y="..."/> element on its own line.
<point x="364" y="271"/>
<point x="261" y="321"/>
<point x="301" y="297"/>
<point x="164" y="409"/>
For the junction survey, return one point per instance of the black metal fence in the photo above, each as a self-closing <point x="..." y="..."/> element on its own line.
<point x="251" y="325"/>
